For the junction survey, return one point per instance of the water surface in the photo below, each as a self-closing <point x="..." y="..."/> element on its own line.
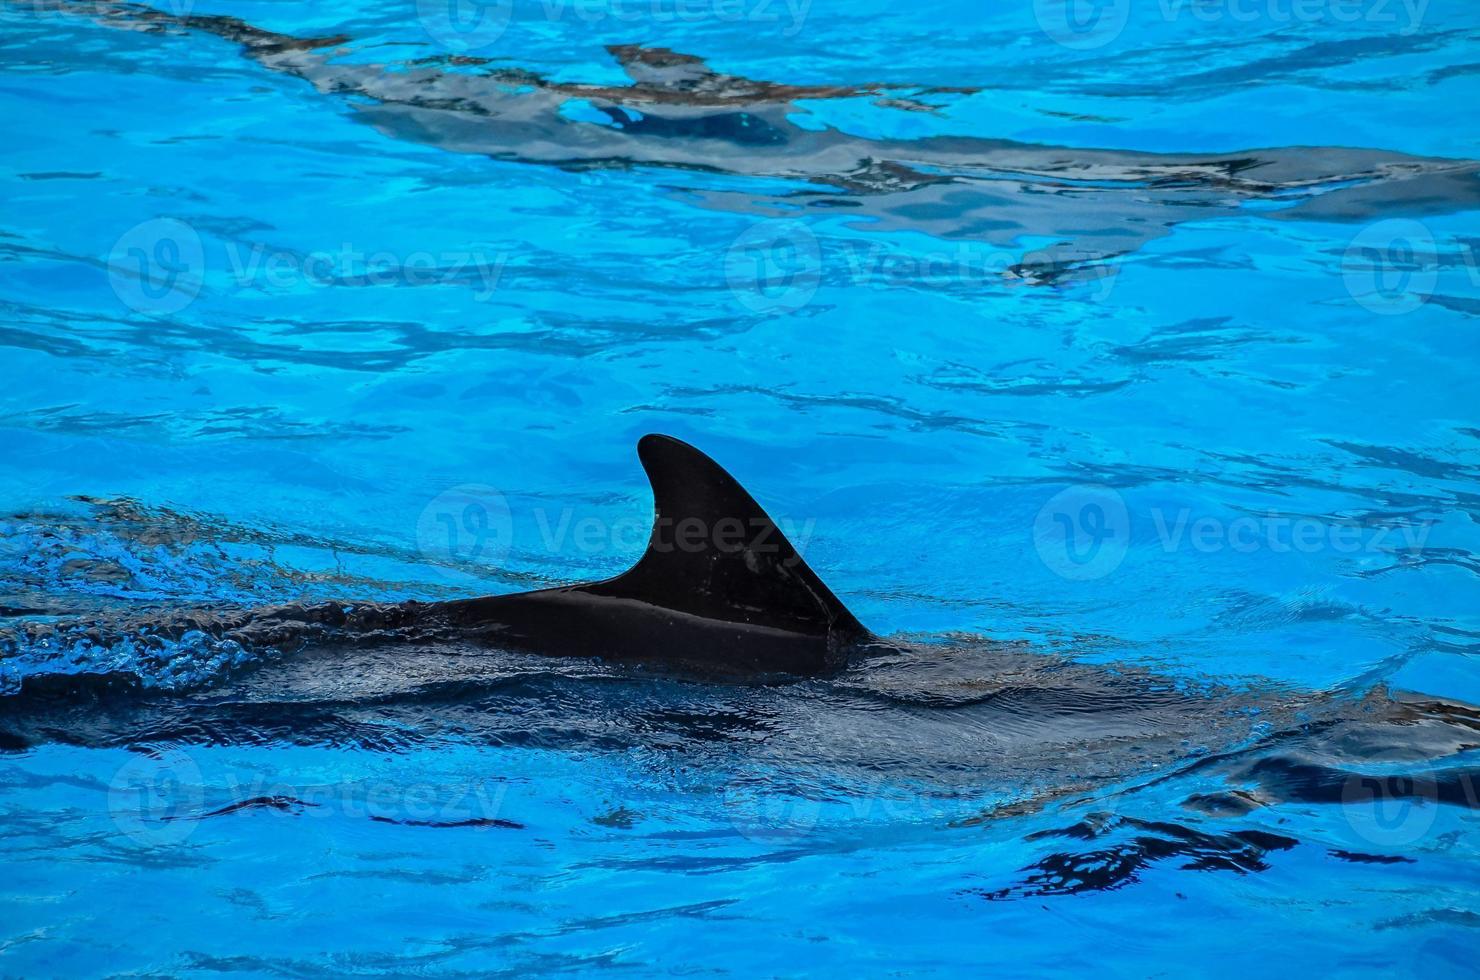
<point x="1146" y="349"/>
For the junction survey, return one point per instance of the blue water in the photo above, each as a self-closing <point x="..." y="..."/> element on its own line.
<point x="256" y="351"/>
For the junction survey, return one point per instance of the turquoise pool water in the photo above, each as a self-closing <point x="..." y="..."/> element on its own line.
<point x="1140" y="335"/>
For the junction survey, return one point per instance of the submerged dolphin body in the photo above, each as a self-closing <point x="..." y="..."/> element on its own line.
<point x="720" y="594"/>
<point x="677" y="113"/>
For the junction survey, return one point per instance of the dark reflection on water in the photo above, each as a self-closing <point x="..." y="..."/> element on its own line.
<point x="677" y="113"/>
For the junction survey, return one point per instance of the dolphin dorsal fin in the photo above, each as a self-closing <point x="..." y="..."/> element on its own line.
<point x="714" y="553"/>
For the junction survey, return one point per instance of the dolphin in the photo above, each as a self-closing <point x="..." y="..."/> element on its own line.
<point x="679" y="114"/>
<point x="719" y="590"/>
<point x="722" y="637"/>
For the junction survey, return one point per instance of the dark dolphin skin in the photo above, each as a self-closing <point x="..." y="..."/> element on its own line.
<point x="679" y="114"/>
